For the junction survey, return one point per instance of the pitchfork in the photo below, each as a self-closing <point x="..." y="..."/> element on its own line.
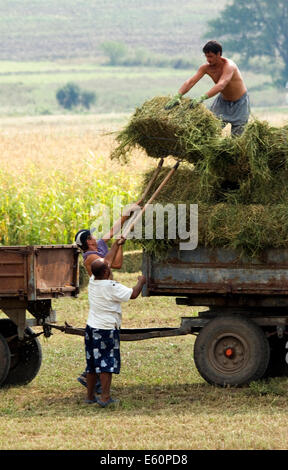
<point x="139" y="214"/>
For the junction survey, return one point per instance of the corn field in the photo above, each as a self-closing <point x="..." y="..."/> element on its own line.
<point x="50" y="180"/>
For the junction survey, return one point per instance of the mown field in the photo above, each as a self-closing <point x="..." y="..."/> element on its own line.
<point x="165" y="404"/>
<point x="52" y="168"/>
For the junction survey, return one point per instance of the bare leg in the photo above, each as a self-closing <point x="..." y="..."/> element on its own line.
<point x="105" y="379"/>
<point x="91" y="381"/>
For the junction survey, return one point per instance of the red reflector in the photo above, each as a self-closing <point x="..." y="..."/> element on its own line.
<point x="229" y="352"/>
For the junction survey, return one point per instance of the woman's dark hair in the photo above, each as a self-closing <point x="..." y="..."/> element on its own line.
<point x="212" y="46"/>
<point x="85" y="246"/>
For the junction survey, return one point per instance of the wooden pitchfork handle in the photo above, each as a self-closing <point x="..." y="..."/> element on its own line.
<point x="155" y="174"/>
<point x="154" y="195"/>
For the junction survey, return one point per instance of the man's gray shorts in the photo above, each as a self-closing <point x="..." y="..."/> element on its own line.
<point x="234" y="112"/>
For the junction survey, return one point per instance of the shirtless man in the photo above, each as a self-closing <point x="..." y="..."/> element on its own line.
<point x="232" y="103"/>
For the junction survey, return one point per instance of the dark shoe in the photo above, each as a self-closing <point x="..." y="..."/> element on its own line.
<point x="83" y="381"/>
<point x="98" y="388"/>
<point x="90" y="402"/>
<point x="104" y="404"/>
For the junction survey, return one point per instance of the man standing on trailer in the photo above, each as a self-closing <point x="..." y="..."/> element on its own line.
<point x="232" y="103"/>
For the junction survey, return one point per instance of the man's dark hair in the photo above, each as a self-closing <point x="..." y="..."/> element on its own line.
<point x="98" y="269"/>
<point x="212" y="46"/>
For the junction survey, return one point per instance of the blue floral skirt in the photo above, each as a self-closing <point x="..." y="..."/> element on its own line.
<point x="102" y="350"/>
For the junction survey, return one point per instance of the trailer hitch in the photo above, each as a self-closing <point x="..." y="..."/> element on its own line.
<point x="47" y="330"/>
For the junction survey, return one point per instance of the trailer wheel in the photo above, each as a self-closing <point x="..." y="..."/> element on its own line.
<point x="26" y="354"/>
<point x="4" y="359"/>
<point x="231" y="351"/>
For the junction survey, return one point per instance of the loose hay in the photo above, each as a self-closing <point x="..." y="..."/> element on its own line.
<point x="181" y="132"/>
<point x="239" y="183"/>
<point x="249" y="228"/>
<point x="250" y="218"/>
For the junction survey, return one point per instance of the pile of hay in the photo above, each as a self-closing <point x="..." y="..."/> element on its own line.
<point x="250" y="218"/>
<point x="181" y="132"/>
<point x="239" y="184"/>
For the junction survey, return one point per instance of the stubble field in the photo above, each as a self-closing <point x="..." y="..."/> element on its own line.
<point x="51" y="170"/>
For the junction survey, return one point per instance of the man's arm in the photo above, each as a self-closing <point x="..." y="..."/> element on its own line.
<point x="193" y="80"/>
<point x="186" y="87"/>
<point x="138" y="287"/>
<point x="227" y="74"/>
<point x="111" y="255"/>
<point x="118" y="260"/>
<point x="113" y="259"/>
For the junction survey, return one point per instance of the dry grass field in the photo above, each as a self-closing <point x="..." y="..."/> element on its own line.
<point x="164" y="403"/>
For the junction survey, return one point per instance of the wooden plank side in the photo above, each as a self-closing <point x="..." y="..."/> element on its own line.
<point x="13" y="279"/>
<point x="55" y="269"/>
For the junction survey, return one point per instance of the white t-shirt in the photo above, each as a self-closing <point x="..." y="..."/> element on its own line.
<point x="105" y="297"/>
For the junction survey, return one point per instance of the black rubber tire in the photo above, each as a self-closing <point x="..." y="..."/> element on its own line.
<point x="278" y="364"/>
<point x="4" y="359"/>
<point x="249" y="346"/>
<point x="26" y="354"/>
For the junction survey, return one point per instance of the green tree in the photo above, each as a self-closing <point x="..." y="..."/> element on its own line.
<point x="87" y="98"/>
<point x="255" y="28"/>
<point x="114" y="50"/>
<point x="69" y="96"/>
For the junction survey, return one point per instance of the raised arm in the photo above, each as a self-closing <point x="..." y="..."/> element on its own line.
<point x="115" y="252"/>
<point x="188" y="84"/>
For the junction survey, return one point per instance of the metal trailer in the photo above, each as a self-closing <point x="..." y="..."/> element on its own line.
<point x="242" y="334"/>
<point x="240" y="337"/>
<point x="30" y="277"/>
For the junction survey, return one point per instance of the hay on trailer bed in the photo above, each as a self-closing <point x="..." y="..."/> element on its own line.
<point x="189" y="184"/>
<point x="195" y="136"/>
<point x="249" y="228"/>
<point x="239" y="183"/>
<point x="252" y="217"/>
